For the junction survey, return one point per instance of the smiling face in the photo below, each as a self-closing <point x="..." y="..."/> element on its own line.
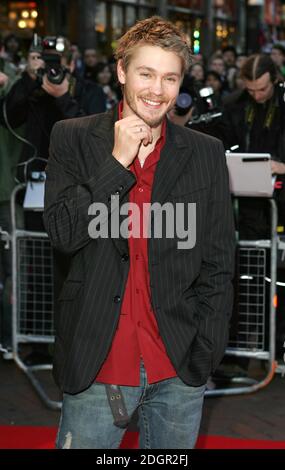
<point x="151" y="83"/>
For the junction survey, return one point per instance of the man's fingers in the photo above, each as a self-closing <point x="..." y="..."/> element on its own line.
<point x="146" y="141"/>
<point x="140" y="128"/>
<point x="138" y="125"/>
<point x="144" y="133"/>
<point x="134" y="130"/>
<point x="132" y="121"/>
<point x="143" y="126"/>
<point x="141" y="135"/>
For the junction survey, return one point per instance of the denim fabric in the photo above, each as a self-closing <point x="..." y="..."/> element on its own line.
<point x="169" y="416"/>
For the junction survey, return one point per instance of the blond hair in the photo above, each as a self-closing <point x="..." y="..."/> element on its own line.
<point x="154" y="31"/>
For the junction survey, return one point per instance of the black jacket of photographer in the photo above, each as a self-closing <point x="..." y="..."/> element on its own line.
<point x="28" y="104"/>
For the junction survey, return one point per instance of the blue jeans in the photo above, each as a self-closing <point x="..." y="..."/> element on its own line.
<point x="169" y="416"/>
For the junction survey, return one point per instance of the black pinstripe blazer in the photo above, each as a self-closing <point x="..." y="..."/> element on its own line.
<point x="191" y="290"/>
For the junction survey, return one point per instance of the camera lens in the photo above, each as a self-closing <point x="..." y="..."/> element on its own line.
<point x="55" y="74"/>
<point x="184" y="101"/>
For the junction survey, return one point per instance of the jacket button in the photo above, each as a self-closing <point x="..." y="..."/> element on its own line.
<point x="121" y="188"/>
<point x="117" y="299"/>
<point x="125" y="257"/>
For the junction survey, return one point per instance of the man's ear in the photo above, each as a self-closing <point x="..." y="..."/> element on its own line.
<point x="121" y="72"/>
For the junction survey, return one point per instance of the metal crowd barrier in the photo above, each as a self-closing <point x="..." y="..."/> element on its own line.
<point x="33" y="298"/>
<point x="4" y="238"/>
<point x="280" y="367"/>
<point x="256" y="329"/>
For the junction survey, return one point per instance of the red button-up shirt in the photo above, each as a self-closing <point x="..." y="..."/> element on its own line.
<point x="137" y="335"/>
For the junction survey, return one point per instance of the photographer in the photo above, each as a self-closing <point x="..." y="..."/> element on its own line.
<point x="198" y="107"/>
<point x="254" y="120"/>
<point x="48" y="91"/>
<point x="38" y="101"/>
<point x="254" y="117"/>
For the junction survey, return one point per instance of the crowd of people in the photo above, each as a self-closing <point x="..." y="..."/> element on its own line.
<point x="246" y="90"/>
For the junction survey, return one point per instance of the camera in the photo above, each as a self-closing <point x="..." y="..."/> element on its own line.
<point x="207" y="107"/>
<point x="50" y="48"/>
<point x="184" y="102"/>
<point x="202" y="99"/>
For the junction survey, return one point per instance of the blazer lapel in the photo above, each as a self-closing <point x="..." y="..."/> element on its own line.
<point x="174" y="156"/>
<point x="102" y="137"/>
<point x="104" y="130"/>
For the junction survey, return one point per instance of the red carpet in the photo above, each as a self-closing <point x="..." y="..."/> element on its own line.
<point x="29" y="437"/>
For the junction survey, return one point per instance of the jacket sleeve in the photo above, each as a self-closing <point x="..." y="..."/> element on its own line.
<point x="68" y="197"/>
<point x="68" y="107"/>
<point x="214" y="284"/>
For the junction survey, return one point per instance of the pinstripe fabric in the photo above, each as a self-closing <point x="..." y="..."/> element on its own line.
<point x="191" y="289"/>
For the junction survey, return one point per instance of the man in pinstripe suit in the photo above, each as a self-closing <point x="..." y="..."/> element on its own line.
<point x="142" y="323"/>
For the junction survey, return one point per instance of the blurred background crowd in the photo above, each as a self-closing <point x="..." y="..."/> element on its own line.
<point x="56" y="62"/>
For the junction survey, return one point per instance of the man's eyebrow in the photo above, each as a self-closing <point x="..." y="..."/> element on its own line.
<point x="150" y="69"/>
<point x="259" y="89"/>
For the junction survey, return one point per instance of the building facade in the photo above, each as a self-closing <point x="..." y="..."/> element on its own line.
<point x="210" y="24"/>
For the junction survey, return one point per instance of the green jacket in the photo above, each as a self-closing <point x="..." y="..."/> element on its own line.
<point x="10" y="146"/>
